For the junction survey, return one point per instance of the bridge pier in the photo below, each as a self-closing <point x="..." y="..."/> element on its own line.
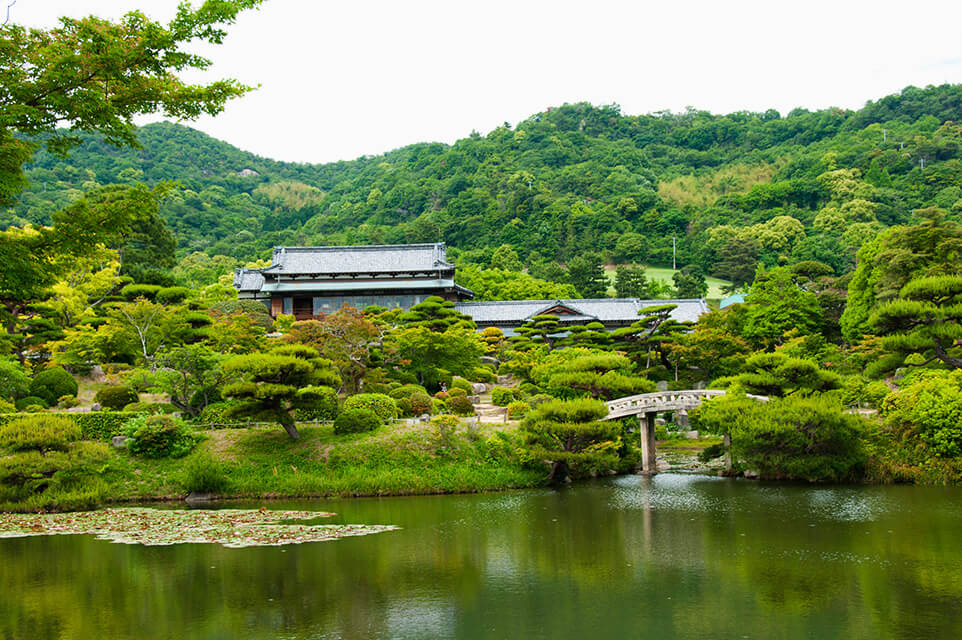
<point x="649" y="466"/>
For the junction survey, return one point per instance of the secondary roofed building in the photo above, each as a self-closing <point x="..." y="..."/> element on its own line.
<point x="612" y="312"/>
<point x="313" y="281"/>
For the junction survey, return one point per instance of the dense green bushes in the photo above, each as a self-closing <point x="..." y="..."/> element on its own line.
<point x="928" y="408"/>
<point x="356" y="421"/>
<point x="793" y="438"/>
<point x="24" y="404"/>
<point x="51" y="384"/>
<point x="460" y="406"/>
<point x="160" y="437"/>
<point x="115" y="397"/>
<point x="502" y="396"/>
<point x="383" y="406"/>
<point x="43" y="464"/>
<point x="572" y="438"/>
<point x="324" y="406"/>
<point x="99" y="425"/>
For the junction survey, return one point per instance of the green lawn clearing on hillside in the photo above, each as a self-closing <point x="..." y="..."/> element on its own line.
<point x="664" y="274"/>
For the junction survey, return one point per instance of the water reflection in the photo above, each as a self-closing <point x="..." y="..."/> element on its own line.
<point x="675" y="556"/>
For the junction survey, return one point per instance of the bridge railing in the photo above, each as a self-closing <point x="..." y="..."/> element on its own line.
<point x="664" y="401"/>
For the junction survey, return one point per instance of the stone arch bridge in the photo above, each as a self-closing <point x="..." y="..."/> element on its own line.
<point x="648" y="405"/>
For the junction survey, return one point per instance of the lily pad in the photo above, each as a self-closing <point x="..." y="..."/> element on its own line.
<point x="234" y="528"/>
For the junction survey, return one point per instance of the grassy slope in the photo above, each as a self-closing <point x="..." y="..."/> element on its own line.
<point x="715" y="285"/>
<point x="394" y="460"/>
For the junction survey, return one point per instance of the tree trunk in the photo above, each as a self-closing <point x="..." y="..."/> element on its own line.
<point x="952" y="361"/>
<point x="289" y="426"/>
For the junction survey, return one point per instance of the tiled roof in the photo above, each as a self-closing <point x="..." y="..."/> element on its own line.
<point x="396" y="258"/>
<point x="605" y="310"/>
<point x="248" y="280"/>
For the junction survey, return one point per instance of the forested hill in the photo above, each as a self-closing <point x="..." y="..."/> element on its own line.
<point x="733" y="189"/>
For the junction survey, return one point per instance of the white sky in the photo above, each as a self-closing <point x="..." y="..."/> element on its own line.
<point x="343" y="79"/>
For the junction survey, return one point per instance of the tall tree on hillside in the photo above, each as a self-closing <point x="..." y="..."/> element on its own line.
<point x="930" y="248"/>
<point x="587" y="273"/>
<point x="630" y="282"/>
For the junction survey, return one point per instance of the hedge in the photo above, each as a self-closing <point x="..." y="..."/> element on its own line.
<point x="99" y="425"/>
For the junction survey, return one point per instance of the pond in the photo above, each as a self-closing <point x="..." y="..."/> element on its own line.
<point x="676" y="556"/>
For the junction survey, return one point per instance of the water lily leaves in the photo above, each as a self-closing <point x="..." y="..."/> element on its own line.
<point x="233" y="528"/>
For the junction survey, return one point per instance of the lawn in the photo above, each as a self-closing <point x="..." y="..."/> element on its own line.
<point x="664" y="274"/>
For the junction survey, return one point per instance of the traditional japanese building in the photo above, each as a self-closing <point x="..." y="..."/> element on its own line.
<point x="312" y="281"/>
<point x="611" y="312"/>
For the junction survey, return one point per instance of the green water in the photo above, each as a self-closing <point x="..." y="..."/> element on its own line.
<point x="679" y="556"/>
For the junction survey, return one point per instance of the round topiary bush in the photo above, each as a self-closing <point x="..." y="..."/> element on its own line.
<point x="51" y="384"/>
<point x="30" y="401"/>
<point x="172" y="295"/>
<point x="39" y="433"/>
<point x="324" y="407"/>
<point x="356" y="421"/>
<point x="457" y="393"/>
<point x="115" y="397"/>
<point x="404" y="407"/>
<point x="483" y="374"/>
<point x="134" y="291"/>
<point x="502" y="396"/>
<point x="461" y="383"/>
<point x="421" y="403"/>
<point x="406" y="391"/>
<point x="460" y="406"/>
<point x="383" y="406"/>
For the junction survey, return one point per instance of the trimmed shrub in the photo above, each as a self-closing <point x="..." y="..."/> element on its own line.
<point x="51" y="384"/>
<point x="172" y="295"/>
<point x="160" y="437"/>
<point x="438" y="406"/>
<point x="502" y="396"/>
<point x="30" y="401"/>
<point x="383" y="406"/>
<point x="134" y="291"/>
<point x="483" y="374"/>
<point x="7" y="407"/>
<point x="115" y="397"/>
<point x="379" y="387"/>
<point x="100" y="425"/>
<point x="404" y="407"/>
<point x="461" y="383"/>
<point x="460" y="406"/>
<point x="356" y="421"/>
<point x="39" y="433"/>
<point x="325" y="407"/>
<point x="457" y="393"/>
<point x="518" y="409"/>
<point x="406" y="391"/>
<point x="421" y="403"/>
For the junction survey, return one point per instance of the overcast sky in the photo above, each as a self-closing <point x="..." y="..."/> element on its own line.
<point x="343" y="79"/>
